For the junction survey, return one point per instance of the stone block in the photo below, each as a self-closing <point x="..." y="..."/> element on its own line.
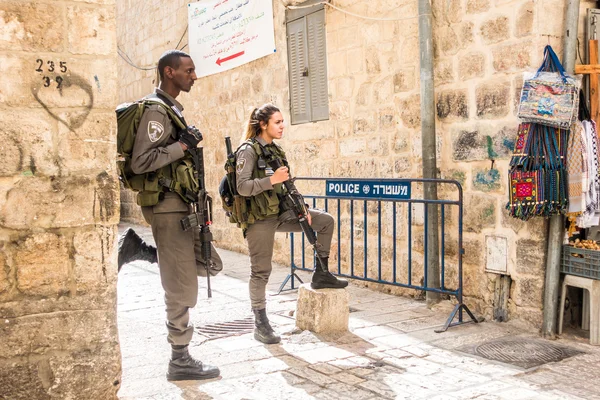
<point x="531" y="257"/>
<point x="443" y="71"/>
<point x="450" y="11"/>
<point x="91" y="30"/>
<point x="27" y="145"/>
<point x="480" y="212"/>
<point x="471" y="66"/>
<point x="85" y="84"/>
<point x="62" y="202"/>
<point x="452" y="105"/>
<point x="372" y="61"/>
<point x="42" y="264"/>
<point x="404" y="80"/>
<point x="30" y="26"/>
<point x="387" y="119"/>
<point x="410" y="111"/>
<point x="345" y="87"/>
<point x="5" y="283"/>
<point x="492" y="100"/>
<point x="89" y="144"/>
<point x="528" y="291"/>
<point x="355" y="60"/>
<point x="400" y="140"/>
<point x="487" y="180"/>
<point x="495" y="30"/>
<point x="447" y="39"/>
<point x="95" y="259"/>
<point x="512" y="57"/>
<point x="352" y="147"/>
<point x="477" y="6"/>
<point x="524" y="20"/>
<point x="365" y="124"/>
<point x="322" y="310"/>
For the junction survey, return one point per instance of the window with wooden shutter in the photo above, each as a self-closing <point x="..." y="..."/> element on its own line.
<point x="307" y="65"/>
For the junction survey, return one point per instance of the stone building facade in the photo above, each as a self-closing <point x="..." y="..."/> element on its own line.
<point x="59" y="200"/>
<point x="481" y="49"/>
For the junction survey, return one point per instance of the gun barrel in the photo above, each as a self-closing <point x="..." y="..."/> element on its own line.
<point x="228" y="145"/>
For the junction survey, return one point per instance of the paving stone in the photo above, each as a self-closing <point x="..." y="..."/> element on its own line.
<point x="373" y="361"/>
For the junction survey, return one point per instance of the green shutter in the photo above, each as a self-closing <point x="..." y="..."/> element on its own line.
<point x="297" y="64"/>
<point x="317" y="66"/>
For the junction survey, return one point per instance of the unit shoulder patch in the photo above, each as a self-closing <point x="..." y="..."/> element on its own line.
<point x="239" y="167"/>
<point x="155" y="130"/>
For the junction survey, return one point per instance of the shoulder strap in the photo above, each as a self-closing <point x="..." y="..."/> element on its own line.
<point x="173" y="111"/>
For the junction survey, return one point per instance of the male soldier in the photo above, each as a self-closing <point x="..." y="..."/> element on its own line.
<point x="160" y="148"/>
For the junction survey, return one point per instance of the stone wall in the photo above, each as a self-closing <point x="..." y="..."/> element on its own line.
<point x="481" y="49"/>
<point x="59" y="200"/>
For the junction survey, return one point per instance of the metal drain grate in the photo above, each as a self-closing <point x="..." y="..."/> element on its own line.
<point x="522" y="352"/>
<point x="224" y="329"/>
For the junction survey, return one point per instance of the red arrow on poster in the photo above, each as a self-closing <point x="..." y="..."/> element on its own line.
<point x="231" y="57"/>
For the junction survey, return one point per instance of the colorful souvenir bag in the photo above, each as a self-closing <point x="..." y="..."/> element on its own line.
<point x="550" y="96"/>
<point x="537" y="179"/>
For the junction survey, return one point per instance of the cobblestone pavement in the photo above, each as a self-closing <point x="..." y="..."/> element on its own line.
<point x="390" y="352"/>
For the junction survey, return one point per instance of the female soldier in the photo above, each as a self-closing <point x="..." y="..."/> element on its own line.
<point x="262" y="187"/>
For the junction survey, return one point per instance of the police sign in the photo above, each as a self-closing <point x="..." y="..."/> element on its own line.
<point x="399" y="190"/>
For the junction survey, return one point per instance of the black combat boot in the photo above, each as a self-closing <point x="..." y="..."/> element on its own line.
<point x="132" y="247"/>
<point x="184" y="367"/>
<point x="263" y="331"/>
<point x="323" y="279"/>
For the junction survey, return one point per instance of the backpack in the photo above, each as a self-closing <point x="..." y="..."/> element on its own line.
<point x="128" y="120"/>
<point x="234" y="205"/>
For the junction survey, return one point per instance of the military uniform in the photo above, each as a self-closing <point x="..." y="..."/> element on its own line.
<point x="179" y="252"/>
<point x="261" y="233"/>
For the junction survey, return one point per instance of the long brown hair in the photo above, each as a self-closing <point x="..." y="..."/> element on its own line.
<point x="261" y="114"/>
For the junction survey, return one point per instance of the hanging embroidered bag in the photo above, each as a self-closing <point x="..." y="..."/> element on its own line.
<point x="550" y="96"/>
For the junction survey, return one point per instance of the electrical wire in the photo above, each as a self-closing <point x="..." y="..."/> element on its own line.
<point x="350" y="13"/>
<point x="180" y="39"/>
<point x="128" y="60"/>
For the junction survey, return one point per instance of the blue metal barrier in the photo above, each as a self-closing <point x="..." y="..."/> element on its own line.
<point x="341" y="191"/>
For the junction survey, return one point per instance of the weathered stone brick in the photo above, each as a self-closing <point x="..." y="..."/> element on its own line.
<point x="495" y="30"/>
<point x="452" y="104"/>
<point x="42" y="264"/>
<point x="62" y="202"/>
<point x="487" y="180"/>
<point x="477" y="6"/>
<point x="447" y="11"/>
<point x="352" y="147"/>
<point x="89" y="144"/>
<point x="372" y="60"/>
<point x="492" y="99"/>
<point x="471" y="66"/>
<point x="467" y="36"/>
<point x="27" y="145"/>
<point x="95" y="262"/>
<point x="531" y="255"/>
<point x="402" y="165"/>
<point x="345" y="87"/>
<point x="455" y="174"/>
<point x="387" y="119"/>
<point x="90" y="30"/>
<point x="528" y="291"/>
<point x="444" y="71"/>
<point x="355" y="60"/>
<point x="404" y="80"/>
<point x="401" y="140"/>
<point x="512" y="57"/>
<point x="410" y="111"/>
<point x="5" y="283"/>
<point x="30" y="26"/>
<point x="480" y="212"/>
<point x="448" y="40"/>
<point x="365" y="124"/>
<point x="524" y="20"/>
<point x="383" y="91"/>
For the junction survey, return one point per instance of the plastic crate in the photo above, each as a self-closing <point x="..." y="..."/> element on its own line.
<point x="580" y="262"/>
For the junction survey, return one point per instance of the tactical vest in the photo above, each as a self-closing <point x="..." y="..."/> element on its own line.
<point x="178" y="177"/>
<point x="265" y="204"/>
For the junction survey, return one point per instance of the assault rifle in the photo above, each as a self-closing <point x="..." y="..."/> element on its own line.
<point x="202" y="212"/>
<point x="292" y="203"/>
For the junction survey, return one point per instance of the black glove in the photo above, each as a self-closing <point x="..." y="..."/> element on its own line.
<point x="190" y="137"/>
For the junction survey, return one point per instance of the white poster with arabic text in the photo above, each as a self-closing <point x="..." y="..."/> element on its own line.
<point x="224" y="34"/>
